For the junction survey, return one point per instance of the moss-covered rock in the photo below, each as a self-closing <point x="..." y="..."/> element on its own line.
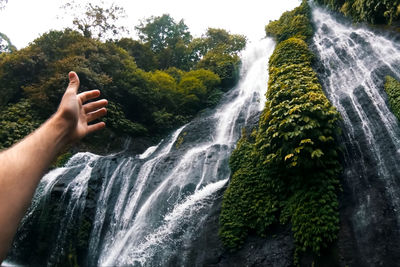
<point x="372" y="11"/>
<point x="287" y="171"/>
<point x="392" y="88"/>
<point x="293" y="23"/>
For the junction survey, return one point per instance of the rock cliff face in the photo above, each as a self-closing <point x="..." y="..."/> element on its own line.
<point x="353" y="65"/>
<point x="206" y="248"/>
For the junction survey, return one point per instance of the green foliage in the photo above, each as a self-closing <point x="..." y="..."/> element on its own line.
<point x="18" y="69"/>
<point x="62" y="159"/>
<point x="218" y="51"/>
<point x="180" y="140"/>
<point x="224" y="65"/>
<point x="16" y="122"/>
<point x="291" y="51"/>
<point x="117" y="121"/>
<point x="163" y="31"/>
<point x="168" y="39"/>
<point x="293" y="23"/>
<point x="392" y="88"/>
<point x="287" y="171"/>
<point x="152" y="85"/>
<point x="220" y="40"/>
<point x="144" y="57"/>
<point x="372" y="11"/>
<point x="198" y="87"/>
<point x="251" y="202"/>
<point x="209" y="79"/>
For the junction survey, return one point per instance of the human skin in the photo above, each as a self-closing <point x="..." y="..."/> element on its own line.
<point x="23" y="165"/>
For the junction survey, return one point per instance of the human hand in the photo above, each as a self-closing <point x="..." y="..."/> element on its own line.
<point x="75" y="115"/>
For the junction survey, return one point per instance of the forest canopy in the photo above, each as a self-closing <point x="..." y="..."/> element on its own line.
<point x="153" y="84"/>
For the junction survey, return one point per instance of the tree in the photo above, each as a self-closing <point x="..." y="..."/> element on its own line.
<point x="145" y="58"/>
<point x="168" y="39"/>
<point x="222" y="40"/>
<point x="162" y="32"/>
<point x="97" y="21"/>
<point x="224" y="65"/>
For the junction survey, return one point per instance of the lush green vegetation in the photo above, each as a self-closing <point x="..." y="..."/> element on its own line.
<point x="293" y="23"/>
<point x="286" y="171"/>
<point x="153" y="84"/>
<point x="17" y="121"/>
<point x="392" y="88"/>
<point x="372" y="11"/>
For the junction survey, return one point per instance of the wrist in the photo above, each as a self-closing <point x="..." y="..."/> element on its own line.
<point x="60" y="129"/>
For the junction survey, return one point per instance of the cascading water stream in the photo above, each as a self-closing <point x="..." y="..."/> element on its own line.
<point x="169" y="214"/>
<point x="355" y="62"/>
<point x="146" y="209"/>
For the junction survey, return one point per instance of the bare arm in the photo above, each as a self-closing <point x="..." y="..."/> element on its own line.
<point x="23" y="165"/>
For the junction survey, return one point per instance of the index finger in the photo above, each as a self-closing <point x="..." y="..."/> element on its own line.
<point x="88" y="95"/>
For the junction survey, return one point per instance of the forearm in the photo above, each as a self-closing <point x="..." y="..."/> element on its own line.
<point x="21" y="168"/>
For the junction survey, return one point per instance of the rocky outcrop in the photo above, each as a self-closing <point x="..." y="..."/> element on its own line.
<point x="206" y="249"/>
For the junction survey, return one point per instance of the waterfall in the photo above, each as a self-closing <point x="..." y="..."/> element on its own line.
<point x="146" y="209"/>
<point x="355" y="61"/>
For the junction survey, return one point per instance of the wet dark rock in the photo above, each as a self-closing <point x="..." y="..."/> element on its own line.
<point x="327" y="43"/>
<point x="325" y="29"/>
<point x="206" y="248"/>
<point x="369" y="230"/>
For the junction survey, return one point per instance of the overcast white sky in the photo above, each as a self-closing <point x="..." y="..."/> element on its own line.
<point x="24" y="20"/>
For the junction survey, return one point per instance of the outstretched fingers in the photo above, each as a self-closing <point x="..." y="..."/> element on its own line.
<point x="93" y="106"/>
<point x="95" y="115"/>
<point x="88" y="95"/>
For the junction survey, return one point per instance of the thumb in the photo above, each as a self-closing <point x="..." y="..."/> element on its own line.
<point x="73" y="82"/>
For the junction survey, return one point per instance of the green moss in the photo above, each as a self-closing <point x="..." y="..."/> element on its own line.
<point x="293" y="23"/>
<point x="287" y="171"/>
<point x="251" y="201"/>
<point x="180" y="140"/>
<point x="392" y="88"/>
<point x="372" y="11"/>
<point x="62" y="159"/>
<point x="290" y="51"/>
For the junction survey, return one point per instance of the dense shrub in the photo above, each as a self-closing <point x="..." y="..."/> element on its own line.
<point x="372" y="11"/>
<point x="224" y="65"/>
<point x="16" y="122"/>
<point x="293" y="23"/>
<point x="392" y="88"/>
<point x="287" y="171"/>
